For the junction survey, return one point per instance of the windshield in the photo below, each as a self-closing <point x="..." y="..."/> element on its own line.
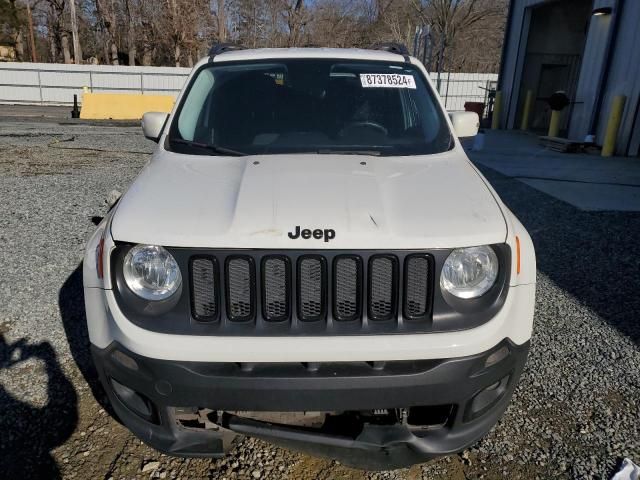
<point x="309" y="106"/>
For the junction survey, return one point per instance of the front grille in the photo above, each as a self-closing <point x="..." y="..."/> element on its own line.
<point x="240" y="280"/>
<point x="312" y="292"/>
<point x="417" y="286"/>
<point x="276" y="282"/>
<point x="383" y="283"/>
<point x="347" y="286"/>
<point x="312" y="283"/>
<point x="204" y="285"/>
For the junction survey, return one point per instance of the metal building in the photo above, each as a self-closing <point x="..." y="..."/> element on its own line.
<point x="589" y="49"/>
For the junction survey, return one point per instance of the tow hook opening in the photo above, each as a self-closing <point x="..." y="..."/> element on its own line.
<point x="197" y="418"/>
<point x="426" y="418"/>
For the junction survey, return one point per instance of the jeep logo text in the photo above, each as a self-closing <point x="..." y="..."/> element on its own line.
<point x="328" y="234"/>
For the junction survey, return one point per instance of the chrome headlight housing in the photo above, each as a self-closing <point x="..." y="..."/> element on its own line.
<point x="151" y="272"/>
<point x="469" y="272"/>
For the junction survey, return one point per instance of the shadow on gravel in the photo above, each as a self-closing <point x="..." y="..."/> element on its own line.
<point x="74" y="321"/>
<point x="591" y="255"/>
<point x="29" y="433"/>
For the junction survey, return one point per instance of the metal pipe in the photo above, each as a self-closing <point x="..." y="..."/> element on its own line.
<point x="554" y="123"/>
<point x="613" y="125"/>
<point x="497" y="106"/>
<point x="526" y="111"/>
<point x="446" y="95"/>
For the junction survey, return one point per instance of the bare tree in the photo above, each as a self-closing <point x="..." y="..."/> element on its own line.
<point x="107" y="14"/>
<point x="57" y="33"/>
<point x="221" y="18"/>
<point x="296" y="19"/>
<point x="77" y="52"/>
<point x="451" y="18"/>
<point x="32" y="38"/>
<point x="131" y="31"/>
<point x="178" y="32"/>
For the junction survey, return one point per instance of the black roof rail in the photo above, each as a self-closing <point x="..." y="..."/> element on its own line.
<point x="219" y="48"/>
<point x="392" y="47"/>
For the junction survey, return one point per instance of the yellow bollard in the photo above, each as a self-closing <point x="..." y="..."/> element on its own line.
<point x="85" y="89"/>
<point x="615" y="117"/>
<point x="554" y="124"/>
<point x="526" y="112"/>
<point x="497" y="106"/>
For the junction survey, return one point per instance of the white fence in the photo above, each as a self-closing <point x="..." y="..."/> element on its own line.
<point x="55" y="84"/>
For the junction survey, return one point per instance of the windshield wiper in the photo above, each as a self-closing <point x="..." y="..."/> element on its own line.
<point x="211" y="148"/>
<point x="375" y="153"/>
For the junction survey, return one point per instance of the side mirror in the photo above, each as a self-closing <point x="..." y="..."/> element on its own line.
<point x="465" y="124"/>
<point x="153" y="123"/>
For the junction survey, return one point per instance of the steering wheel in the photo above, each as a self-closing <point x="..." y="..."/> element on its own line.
<point x="365" y="125"/>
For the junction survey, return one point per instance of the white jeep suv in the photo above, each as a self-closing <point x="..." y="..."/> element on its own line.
<point x="310" y="258"/>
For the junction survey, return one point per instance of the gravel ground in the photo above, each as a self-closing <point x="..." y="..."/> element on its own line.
<point x="575" y="413"/>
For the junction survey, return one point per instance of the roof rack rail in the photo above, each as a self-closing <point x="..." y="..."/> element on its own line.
<point x="219" y="48"/>
<point x="392" y="47"/>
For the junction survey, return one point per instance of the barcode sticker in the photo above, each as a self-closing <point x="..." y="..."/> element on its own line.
<point x="387" y="80"/>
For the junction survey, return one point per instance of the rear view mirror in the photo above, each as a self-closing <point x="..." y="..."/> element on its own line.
<point x="465" y="124"/>
<point x="153" y="123"/>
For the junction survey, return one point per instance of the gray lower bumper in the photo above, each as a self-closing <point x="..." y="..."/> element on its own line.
<point x="478" y="388"/>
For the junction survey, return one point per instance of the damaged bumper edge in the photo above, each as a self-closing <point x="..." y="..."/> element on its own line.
<point x="378" y="415"/>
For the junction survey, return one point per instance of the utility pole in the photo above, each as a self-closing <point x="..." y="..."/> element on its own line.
<point x="77" y="54"/>
<point x="34" y="57"/>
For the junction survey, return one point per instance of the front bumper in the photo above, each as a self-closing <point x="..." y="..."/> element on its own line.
<point x="477" y="388"/>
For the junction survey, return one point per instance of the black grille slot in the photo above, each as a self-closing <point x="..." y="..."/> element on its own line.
<point x="276" y="283"/>
<point x="347" y="287"/>
<point x="240" y="288"/>
<point x="204" y="283"/>
<point x="383" y="273"/>
<point x="312" y="280"/>
<point x="417" y="278"/>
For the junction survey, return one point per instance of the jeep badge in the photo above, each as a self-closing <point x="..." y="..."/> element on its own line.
<point x="328" y="234"/>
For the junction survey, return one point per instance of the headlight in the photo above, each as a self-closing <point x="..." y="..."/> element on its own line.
<point x="151" y="272"/>
<point x="469" y="272"/>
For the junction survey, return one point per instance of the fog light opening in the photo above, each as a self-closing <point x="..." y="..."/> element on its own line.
<point x="487" y="398"/>
<point x="137" y="403"/>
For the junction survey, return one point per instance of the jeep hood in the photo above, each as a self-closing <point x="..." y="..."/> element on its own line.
<point x="433" y="201"/>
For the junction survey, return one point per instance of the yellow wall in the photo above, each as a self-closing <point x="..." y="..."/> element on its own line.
<point x="123" y="106"/>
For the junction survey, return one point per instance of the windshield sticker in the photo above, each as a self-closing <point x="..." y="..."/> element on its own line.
<point x="387" y="80"/>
